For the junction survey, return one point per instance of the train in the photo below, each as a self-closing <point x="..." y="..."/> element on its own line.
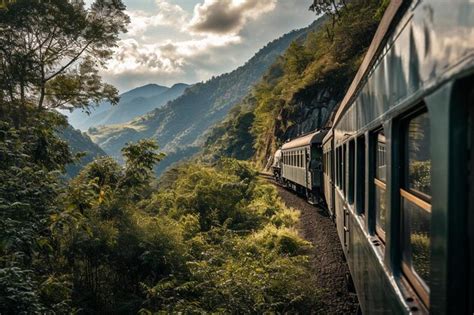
<point x="395" y="166"/>
<point x="298" y="165"/>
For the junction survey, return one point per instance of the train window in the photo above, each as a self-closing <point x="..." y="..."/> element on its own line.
<point x="360" y="193"/>
<point x="380" y="207"/>
<point x="343" y="169"/>
<point x="350" y="184"/>
<point x="331" y="168"/>
<point x="336" y="160"/>
<point x="416" y="203"/>
<point x="339" y="168"/>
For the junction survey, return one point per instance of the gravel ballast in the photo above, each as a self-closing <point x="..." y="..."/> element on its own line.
<point x="327" y="257"/>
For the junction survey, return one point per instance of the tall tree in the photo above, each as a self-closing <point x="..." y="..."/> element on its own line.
<point x="51" y="52"/>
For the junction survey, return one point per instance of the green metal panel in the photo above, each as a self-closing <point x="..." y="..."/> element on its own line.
<point x="449" y="242"/>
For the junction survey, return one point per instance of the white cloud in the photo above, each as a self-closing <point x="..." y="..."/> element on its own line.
<point x="167" y="57"/>
<point x="167" y="15"/>
<point x="172" y="41"/>
<point x="227" y="16"/>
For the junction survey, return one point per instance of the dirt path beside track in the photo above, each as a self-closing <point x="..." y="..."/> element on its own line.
<point x="330" y="269"/>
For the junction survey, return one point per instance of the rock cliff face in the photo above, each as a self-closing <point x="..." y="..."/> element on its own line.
<point x="311" y="112"/>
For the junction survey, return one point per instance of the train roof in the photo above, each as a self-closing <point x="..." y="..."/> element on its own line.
<point x="314" y="137"/>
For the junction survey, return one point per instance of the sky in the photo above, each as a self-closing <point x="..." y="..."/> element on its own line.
<point x="188" y="41"/>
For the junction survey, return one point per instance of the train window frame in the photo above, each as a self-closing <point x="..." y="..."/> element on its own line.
<point x="351" y="171"/>
<point x="361" y="175"/>
<point x="413" y="197"/>
<point x="378" y="183"/>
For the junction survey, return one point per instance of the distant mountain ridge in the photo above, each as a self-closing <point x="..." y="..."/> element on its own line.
<point x="181" y="125"/>
<point x="133" y="103"/>
<point x="79" y="142"/>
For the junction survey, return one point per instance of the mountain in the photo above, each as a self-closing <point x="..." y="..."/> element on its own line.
<point x="133" y="103"/>
<point x="300" y="90"/>
<point x="80" y="142"/>
<point x="180" y="126"/>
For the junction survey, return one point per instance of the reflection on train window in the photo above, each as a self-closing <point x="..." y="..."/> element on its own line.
<point x="415" y="202"/>
<point x="360" y="194"/>
<point x="380" y="206"/>
<point x="380" y="171"/>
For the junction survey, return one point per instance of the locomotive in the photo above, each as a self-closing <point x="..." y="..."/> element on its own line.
<point x="397" y="163"/>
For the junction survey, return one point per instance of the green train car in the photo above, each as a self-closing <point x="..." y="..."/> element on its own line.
<point x="398" y="163"/>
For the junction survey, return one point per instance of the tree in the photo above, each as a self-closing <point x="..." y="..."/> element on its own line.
<point x="51" y="51"/>
<point x="140" y="159"/>
<point x="50" y="54"/>
<point x="330" y="8"/>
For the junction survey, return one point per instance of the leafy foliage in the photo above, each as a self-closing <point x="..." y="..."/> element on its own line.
<point x="237" y="259"/>
<point x="32" y="161"/>
<point x="51" y="52"/>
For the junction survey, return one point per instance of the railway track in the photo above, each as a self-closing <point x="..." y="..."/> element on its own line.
<point x="327" y="258"/>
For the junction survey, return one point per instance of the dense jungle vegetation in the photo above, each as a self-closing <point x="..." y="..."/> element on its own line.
<point x="114" y="239"/>
<point x="300" y="90"/>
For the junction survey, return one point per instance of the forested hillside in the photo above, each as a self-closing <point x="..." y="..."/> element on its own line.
<point x="180" y="125"/>
<point x="301" y="89"/>
<point x="133" y="103"/>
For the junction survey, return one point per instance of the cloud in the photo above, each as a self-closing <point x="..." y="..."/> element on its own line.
<point x="167" y="14"/>
<point x="227" y="16"/>
<point x="163" y="58"/>
<point x="172" y="41"/>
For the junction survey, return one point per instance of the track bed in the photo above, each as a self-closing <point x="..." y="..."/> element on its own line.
<point x="327" y="260"/>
